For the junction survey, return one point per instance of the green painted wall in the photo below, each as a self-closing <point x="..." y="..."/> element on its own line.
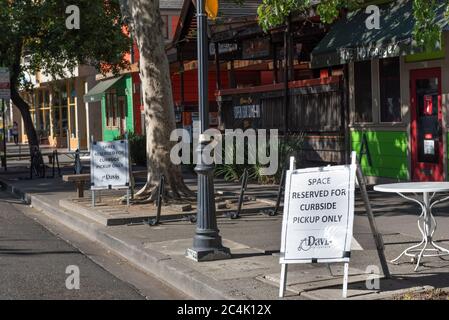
<point x="124" y="87"/>
<point x="129" y="104"/>
<point x="425" y="56"/>
<point x="388" y="150"/>
<point x="108" y="134"/>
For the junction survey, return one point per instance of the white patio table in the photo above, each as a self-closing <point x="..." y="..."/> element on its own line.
<point x="426" y="221"/>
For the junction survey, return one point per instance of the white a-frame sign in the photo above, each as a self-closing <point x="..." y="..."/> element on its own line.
<point x="318" y="217"/>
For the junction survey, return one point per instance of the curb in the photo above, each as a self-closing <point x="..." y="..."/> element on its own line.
<point x="17" y="192"/>
<point x="178" y="275"/>
<point x="102" y="220"/>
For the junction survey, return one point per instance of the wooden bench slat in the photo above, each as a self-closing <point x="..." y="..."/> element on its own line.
<point x="76" y="177"/>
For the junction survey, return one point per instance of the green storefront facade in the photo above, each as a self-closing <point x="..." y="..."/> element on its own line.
<point x="382" y="153"/>
<point x="388" y="153"/>
<point x="398" y="96"/>
<point x="116" y="99"/>
<point x="120" y="93"/>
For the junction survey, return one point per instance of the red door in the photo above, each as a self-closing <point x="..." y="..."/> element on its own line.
<point x="426" y="125"/>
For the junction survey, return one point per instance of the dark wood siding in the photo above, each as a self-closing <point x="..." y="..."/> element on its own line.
<point x="272" y="113"/>
<point x="313" y="110"/>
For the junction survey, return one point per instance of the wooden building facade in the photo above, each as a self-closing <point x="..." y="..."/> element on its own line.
<point x="258" y="86"/>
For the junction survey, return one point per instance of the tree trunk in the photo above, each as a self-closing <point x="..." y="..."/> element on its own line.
<point x="21" y="104"/>
<point x="158" y="101"/>
<point x="24" y="109"/>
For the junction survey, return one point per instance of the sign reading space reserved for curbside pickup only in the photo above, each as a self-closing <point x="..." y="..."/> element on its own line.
<point x="318" y="215"/>
<point x="109" y="165"/>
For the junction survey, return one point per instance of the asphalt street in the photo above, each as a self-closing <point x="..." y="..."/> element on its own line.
<point x="35" y="264"/>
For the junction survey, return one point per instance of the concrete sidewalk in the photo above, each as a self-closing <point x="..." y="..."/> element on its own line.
<point x="254" y="269"/>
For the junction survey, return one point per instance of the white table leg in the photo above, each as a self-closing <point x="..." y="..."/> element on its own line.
<point x="427" y="226"/>
<point x="437" y="247"/>
<point x="420" y="219"/>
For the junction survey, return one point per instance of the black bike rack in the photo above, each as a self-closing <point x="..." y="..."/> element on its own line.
<point x="160" y="193"/>
<point x="274" y="212"/>
<point x="237" y="214"/>
<point x="55" y="164"/>
<point x="36" y="154"/>
<point x="157" y="220"/>
<point x="78" y="167"/>
<point x="188" y="218"/>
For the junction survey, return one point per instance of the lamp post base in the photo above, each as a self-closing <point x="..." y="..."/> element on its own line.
<point x="208" y="254"/>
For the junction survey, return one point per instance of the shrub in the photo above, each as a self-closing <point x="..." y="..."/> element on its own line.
<point x="289" y="145"/>
<point x="137" y="148"/>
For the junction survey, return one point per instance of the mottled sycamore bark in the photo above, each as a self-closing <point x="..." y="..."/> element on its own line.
<point x="146" y="26"/>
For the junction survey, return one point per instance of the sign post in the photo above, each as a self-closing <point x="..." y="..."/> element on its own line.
<point x="109" y="167"/>
<point x="5" y="95"/>
<point x="318" y="220"/>
<point x="372" y="222"/>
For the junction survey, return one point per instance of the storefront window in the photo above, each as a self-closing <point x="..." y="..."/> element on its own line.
<point x="111" y="109"/>
<point x="107" y="102"/>
<point x="141" y="94"/>
<point x="46" y="115"/>
<point x="390" y="90"/>
<point x="122" y="114"/>
<point x="165" y="32"/>
<point x="142" y="121"/>
<point x="71" y="107"/>
<point x="363" y="92"/>
<point x="56" y="121"/>
<point x="59" y="107"/>
<point x="43" y="113"/>
<point x="35" y="109"/>
<point x="114" y="110"/>
<point x="45" y="109"/>
<point x="64" y="120"/>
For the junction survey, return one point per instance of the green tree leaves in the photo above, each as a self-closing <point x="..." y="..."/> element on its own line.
<point x="36" y="31"/>
<point x="426" y="33"/>
<point x="273" y="13"/>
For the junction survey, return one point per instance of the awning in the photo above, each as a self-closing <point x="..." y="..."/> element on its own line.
<point x="350" y="40"/>
<point x="96" y="93"/>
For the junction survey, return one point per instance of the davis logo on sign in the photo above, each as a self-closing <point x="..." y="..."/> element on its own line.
<point x="312" y="242"/>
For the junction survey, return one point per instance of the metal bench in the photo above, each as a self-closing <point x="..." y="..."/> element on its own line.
<point x="80" y="180"/>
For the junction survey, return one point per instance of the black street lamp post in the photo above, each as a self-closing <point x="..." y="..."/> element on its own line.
<point x="207" y="243"/>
